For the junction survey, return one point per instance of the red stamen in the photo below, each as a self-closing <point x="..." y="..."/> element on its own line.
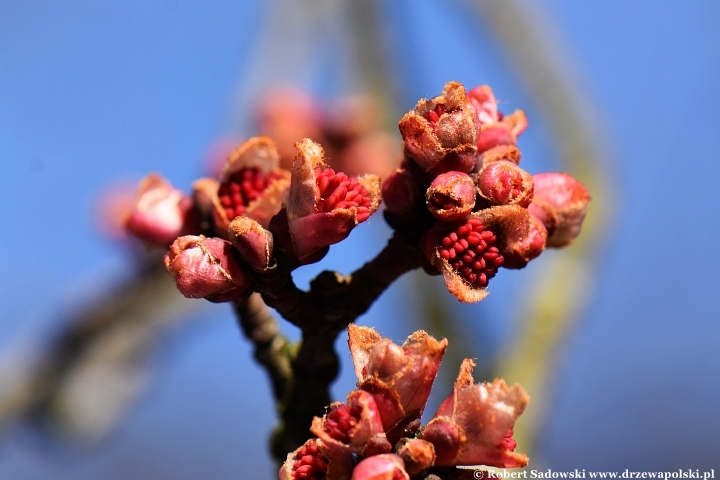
<point x="337" y="190"/>
<point x="242" y="188"/>
<point x="341" y="420"/>
<point x="470" y="253"/>
<point x="309" y="463"/>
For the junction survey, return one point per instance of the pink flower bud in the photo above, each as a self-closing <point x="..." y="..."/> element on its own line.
<point x="381" y="467"/>
<point x="398" y="377"/>
<point x="469" y="253"/>
<point x="476" y="422"/>
<point x="504" y="183"/>
<point x="314" y="461"/>
<point x="354" y="427"/>
<point x="400" y="192"/>
<point x="253" y="242"/>
<point x="418" y="455"/>
<point x="161" y="213"/>
<point x="251" y="184"/>
<point x="560" y="202"/>
<point x="324" y="206"/>
<point x="483" y="100"/>
<point x="205" y="268"/>
<point x="451" y="196"/>
<point x="441" y="133"/>
<point x="503" y="132"/>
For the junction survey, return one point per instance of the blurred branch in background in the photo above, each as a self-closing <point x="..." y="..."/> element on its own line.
<point x="88" y="375"/>
<point x="559" y="297"/>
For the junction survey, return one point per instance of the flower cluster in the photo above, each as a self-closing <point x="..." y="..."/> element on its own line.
<point x="254" y="211"/>
<point x="376" y="434"/>
<point x="478" y="210"/>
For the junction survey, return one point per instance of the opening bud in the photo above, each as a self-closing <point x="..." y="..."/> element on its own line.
<point x="451" y="196"/>
<point x="504" y="183"/>
<point x="253" y="242"/>
<point x="560" y="203"/>
<point x="205" y="268"/>
<point x="381" y="467"/>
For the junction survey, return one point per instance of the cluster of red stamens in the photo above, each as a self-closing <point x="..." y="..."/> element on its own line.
<point x="469" y="251"/>
<point x="337" y="190"/>
<point x="508" y="443"/>
<point x="433" y="116"/>
<point x="309" y="463"/>
<point x="341" y="420"/>
<point x="242" y="188"/>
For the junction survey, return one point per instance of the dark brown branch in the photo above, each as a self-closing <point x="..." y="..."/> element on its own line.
<point x="336" y="302"/>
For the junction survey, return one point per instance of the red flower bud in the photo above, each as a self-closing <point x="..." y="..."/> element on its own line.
<point x="560" y="202"/>
<point x="451" y="196"/>
<point x="504" y="183"/>
<point x="324" y="206"/>
<point x="441" y="133"/>
<point x="483" y="100"/>
<point x="205" y="268"/>
<point x="399" y="377"/>
<point x="251" y="184"/>
<point x="381" y="467"/>
<point x="483" y="415"/>
<point x="503" y="132"/>
<point x="400" y="192"/>
<point x="255" y="244"/>
<point x="161" y="213"/>
<point x="314" y="461"/>
<point x="418" y="455"/>
<point x="353" y="427"/>
<point x="469" y="253"/>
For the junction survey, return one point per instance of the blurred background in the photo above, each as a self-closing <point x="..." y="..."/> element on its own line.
<point x="106" y="372"/>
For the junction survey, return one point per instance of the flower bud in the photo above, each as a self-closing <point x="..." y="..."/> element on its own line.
<point x="253" y="242"/>
<point x="509" y="153"/>
<point x="451" y="196"/>
<point x="504" y="183"/>
<point x="251" y="184"/>
<point x="469" y="253"/>
<point x="398" y="377"/>
<point x="324" y="206"/>
<point x="483" y="415"/>
<point x="483" y="100"/>
<point x="400" y="192"/>
<point x="418" y="455"/>
<point x="161" y="213"/>
<point x="503" y="132"/>
<point x="560" y="203"/>
<point x="381" y="467"/>
<point x="315" y="461"/>
<point x="205" y="268"/>
<point x="441" y="133"/>
<point x="354" y="427"/>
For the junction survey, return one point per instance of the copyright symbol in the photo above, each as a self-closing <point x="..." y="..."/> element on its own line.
<point x="479" y="474"/>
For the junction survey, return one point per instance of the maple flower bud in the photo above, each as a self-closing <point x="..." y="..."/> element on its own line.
<point x="400" y="192"/>
<point x="251" y="184"/>
<point x="469" y="253"/>
<point x="441" y="133"/>
<point x="315" y="461"/>
<point x="398" y="377"/>
<point x="483" y="100"/>
<point x="476" y="422"/>
<point x="354" y="426"/>
<point x="255" y="244"/>
<point x="205" y="268"/>
<point x="451" y="196"/>
<point x="503" y="132"/>
<point x="504" y="183"/>
<point x="323" y="206"/>
<point x="560" y="202"/>
<point x="161" y="213"/>
<point x="418" y="455"/>
<point x="381" y="467"/>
